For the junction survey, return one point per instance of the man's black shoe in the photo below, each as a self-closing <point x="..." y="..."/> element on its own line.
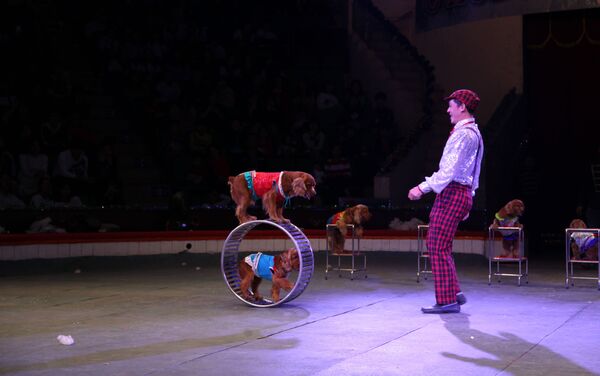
<point x="439" y="308"/>
<point x="461" y="298"/>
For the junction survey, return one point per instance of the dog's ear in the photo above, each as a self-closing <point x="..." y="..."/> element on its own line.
<point x="294" y="259"/>
<point x="311" y="184"/>
<point x="365" y="213"/>
<point x="348" y="216"/>
<point x="515" y="207"/>
<point x="298" y="187"/>
<point x="286" y="260"/>
<point x="357" y="214"/>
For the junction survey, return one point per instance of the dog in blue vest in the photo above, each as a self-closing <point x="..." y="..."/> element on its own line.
<point x="584" y="245"/>
<point x="258" y="266"/>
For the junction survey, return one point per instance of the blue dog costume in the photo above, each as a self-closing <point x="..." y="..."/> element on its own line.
<point x="262" y="265"/>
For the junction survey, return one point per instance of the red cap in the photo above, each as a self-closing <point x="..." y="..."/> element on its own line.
<point x="468" y="97"/>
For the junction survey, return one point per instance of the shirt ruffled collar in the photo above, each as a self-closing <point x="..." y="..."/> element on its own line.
<point x="462" y="123"/>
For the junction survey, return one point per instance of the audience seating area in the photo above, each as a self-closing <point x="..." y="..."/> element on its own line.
<point x="130" y="106"/>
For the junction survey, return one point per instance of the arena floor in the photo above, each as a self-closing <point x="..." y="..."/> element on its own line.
<point x="155" y="316"/>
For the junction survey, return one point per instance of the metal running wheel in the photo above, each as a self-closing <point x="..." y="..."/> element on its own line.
<point x="229" y="260"/>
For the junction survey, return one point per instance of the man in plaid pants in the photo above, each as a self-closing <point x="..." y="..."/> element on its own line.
<point x="454" y="183"/>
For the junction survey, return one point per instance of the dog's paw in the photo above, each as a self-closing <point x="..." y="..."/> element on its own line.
<point x="248" y="219"/>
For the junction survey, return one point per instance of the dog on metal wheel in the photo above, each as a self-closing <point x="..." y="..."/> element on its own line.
<point x="258" y="266"/>
<point x="275" y="189"/>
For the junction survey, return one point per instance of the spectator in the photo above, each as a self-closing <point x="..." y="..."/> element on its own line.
<point x="66" y="198"/>
<point x="383" y="116"/>
<point x="42" y="199"/>
<point x="53" y="134"/>
<point x="356" y="101"/>
<point x="33" y="165"/>
<point x="8" y="198"/>
<point x="72" y="168"/>
<point x="107" y="183"/>
<point x="7" y="161"/>
<point x="326" y="99"/>
<point x="338" y="172"/>
<point x="313" y="140"/>
<point x="72" y="163"/>
<point x="329" y="110"/>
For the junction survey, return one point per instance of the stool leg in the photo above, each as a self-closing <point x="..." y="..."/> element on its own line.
<point x="572" y="274"/>
<point x="326" y="261"/>
<point x="498" y="271"/>
<point x="599" y="274"/>
<point x="490" y="271"/>
<point x="419" y="245"/>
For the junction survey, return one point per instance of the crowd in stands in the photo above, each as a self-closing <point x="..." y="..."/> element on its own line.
<point x="210" y="89"/>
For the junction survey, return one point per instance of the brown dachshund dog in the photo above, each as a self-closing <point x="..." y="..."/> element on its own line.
<point x="355" y="215"/>
<point x="273" y="188"/>
<point x="258" y="266"/>
<point x="584" y="245"/>
<point x="508" y="216"/>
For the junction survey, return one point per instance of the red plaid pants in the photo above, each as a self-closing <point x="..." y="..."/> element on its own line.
<point x="449" y="208"/>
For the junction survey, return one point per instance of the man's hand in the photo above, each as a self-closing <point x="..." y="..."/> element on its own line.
<point x="415" y="193"/>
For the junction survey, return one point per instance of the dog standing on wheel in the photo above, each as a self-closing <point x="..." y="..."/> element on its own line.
<point x="355" y="215"/>
<point x="258" y="266"/>
<point x="275" y="189"/>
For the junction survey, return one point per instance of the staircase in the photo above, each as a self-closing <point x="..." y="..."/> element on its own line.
<point x="385" y="59"/>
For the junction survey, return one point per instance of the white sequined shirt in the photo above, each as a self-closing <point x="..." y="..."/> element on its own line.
<point x="461" y="160"/>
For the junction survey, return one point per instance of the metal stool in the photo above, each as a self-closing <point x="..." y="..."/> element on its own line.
<point x="422" y="254"/>
<point x="492" y="257"/>
<point x="570" y="275"/>
<point x="354" y="254"/>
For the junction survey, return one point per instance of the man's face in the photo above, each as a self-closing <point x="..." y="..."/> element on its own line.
<point x="456" y="111"/>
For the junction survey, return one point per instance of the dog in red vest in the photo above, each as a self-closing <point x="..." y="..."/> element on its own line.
<point x="356" y="215"/>
<point x="275" y="189"/>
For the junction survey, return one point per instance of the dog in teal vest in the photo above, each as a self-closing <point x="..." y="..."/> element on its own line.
<point x="258" y="266"/>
